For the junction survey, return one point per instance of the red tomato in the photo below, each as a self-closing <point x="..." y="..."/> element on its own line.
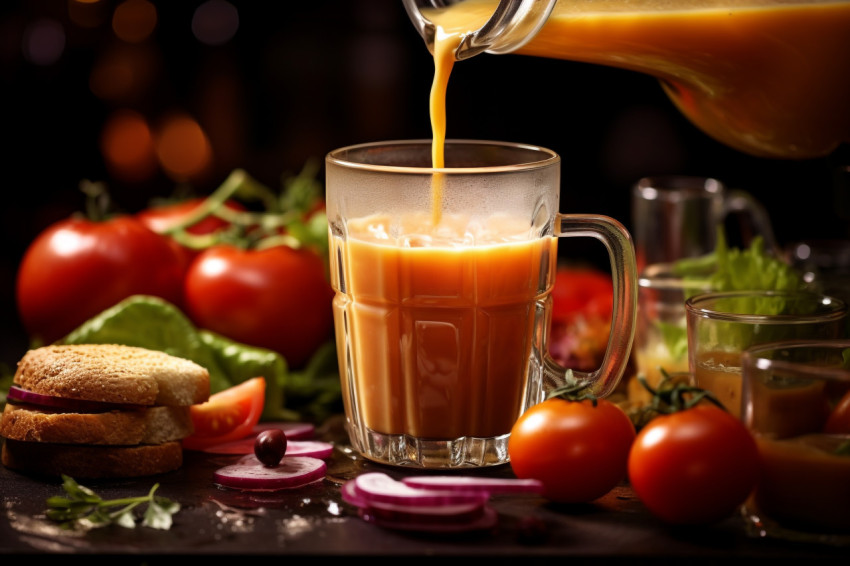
<point x="229" y="415"/>
<point x="277" y="298"/>
<point x="577" y="450"/>
<point x="161" y="218"/>
<point x="839" y="418"/>
<point x="694" y="466"/>
<point x="584" y="291"/>
<point x="77" y="268"/>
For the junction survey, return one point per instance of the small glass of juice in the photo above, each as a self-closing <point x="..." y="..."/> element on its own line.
<point x="796" y="402"/>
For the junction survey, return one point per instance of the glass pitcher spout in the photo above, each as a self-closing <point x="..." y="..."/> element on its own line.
<point x="501" y="27"/>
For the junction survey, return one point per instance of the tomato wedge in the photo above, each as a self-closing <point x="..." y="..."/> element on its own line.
<point x="228" y="415"/>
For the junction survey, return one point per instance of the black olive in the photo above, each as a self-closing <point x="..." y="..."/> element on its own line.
<point x="270" y="447"/>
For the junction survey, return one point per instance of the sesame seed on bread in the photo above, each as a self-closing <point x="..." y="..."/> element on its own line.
<point x="113" y="373"/>
<point x="153" y="425"/>
<point x="91" y="462"/>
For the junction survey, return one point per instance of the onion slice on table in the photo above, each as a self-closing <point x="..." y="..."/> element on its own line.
<point x="472" y="483"/>
<point x="25" y="396"/>
<point x="377" y="487"/>
<point x="293" y="430"/>
<point x="387" y="502"/>
<point x="245" y="446"/>
<point x="292" y="472"/>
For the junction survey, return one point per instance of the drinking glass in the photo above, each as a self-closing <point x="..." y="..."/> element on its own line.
<point x="721" y="325"/>
<point x="796" y="402"/>
<point x="442" y="306"/>
<point x="661" y="335"/>
<point x="677" y="216"/>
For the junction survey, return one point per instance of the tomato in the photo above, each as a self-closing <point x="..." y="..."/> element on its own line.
<point x="694" y="466"/>
<point x="839" y="418"/>
<point x="227" y="415"/>
<point x="582" y="291"/>
<point x="579" y="451"/>
<point x="76" y="268"/>
<point x="161" y="218"/>
<point x="277" y="298"/>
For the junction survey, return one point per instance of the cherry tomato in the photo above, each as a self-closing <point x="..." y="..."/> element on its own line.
<point x="161" y="218"/>
<point x="579" y="451"/>
<point x="581" y="291"/>
<point x="839" y="418"/>
<point x="227" y="415"/>
<point x="76" y="268"/>
<point x="694" y="466"/>
<point x="277" y="298"/>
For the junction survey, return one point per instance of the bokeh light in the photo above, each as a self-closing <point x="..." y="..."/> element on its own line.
<point x="88" y="13"/>
<point x="43" y="42"/>
<point x="134" y="20"/>
<point x="124" y="73"/>
<point x="127" y="146"/>
<point x="183" y="148"/>
<point x="215" y="22"/>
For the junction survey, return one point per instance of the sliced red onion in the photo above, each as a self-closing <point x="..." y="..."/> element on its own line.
<point x="293" y="430"/>
<point x="377" y="487"/>
<point x="292" y="472"/>
<point x="473" y="483"/>
<point x="315" y="448"/>
<point x="21" y="395"/>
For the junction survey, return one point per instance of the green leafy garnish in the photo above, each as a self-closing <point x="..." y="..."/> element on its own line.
<point x="83" y="507"/>
<point x="313" y="393"/>
<point x="732" y="269"/>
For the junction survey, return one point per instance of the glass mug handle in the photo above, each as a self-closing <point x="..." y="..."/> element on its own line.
<point x="618" y="242"/>
<point x="742" y="202"/>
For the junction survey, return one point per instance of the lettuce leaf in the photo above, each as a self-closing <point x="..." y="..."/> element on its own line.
<point x="150" y="322"/>
<point x="733" y="269"/>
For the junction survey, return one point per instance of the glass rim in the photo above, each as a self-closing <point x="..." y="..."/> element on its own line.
<point x="754" y="356"/>
<point x="548" y="157"/>
<point x="836" y="308"/>
<point x="660" y="276"/>
<point x="676" y="188"/>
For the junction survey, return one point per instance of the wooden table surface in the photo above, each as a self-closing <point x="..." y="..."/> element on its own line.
<point x="315" y="521"/>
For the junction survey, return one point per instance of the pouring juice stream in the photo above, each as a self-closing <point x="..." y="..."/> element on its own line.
<point x="766" y="77"/>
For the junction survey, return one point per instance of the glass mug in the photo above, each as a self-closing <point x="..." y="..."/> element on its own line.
<point x="677" y="216"/>
<point x="442" y="306"/>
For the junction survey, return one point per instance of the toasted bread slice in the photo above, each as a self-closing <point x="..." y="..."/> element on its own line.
<point x="144" y="426"/>
<point x="113" y="373"/>
<point x="91" y="462"/>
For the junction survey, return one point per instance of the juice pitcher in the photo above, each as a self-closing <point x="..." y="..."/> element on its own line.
<point x="766" y="77"/>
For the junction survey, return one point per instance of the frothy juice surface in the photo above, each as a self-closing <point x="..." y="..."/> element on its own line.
<point x="440" y="323"/>
<point x="766" y="77"/>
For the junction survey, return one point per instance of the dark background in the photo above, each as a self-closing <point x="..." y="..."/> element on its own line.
<point x="301" y="78"/>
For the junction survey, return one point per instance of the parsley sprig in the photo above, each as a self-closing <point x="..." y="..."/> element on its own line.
<point x="83" y="507"/>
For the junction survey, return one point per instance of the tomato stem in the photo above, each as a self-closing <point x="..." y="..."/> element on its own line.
<point x="573" y="390"/>
<point x="672" y="396"/>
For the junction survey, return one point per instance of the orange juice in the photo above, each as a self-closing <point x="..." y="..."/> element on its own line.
<point x="440" y="335"/>
<point x="765" y="77"/>
<point x="720" y="373"/>
<point x="804" y="482"/>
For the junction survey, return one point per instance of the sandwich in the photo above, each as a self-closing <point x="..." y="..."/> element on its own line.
<point x="100" y="411"/>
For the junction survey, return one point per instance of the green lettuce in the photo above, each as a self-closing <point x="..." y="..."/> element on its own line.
<point x="733" y="269"/>
<point x="150" y="322"/>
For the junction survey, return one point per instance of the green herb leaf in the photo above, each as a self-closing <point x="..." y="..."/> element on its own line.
<point x="84" y="507"/>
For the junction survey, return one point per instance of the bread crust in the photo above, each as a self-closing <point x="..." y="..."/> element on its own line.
<point x="113" y="373"/>
<point x="154" y="425"/>
<point x="91" y="462"/>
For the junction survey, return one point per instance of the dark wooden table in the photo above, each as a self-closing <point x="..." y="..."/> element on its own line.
<point x="314" y="521"/>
